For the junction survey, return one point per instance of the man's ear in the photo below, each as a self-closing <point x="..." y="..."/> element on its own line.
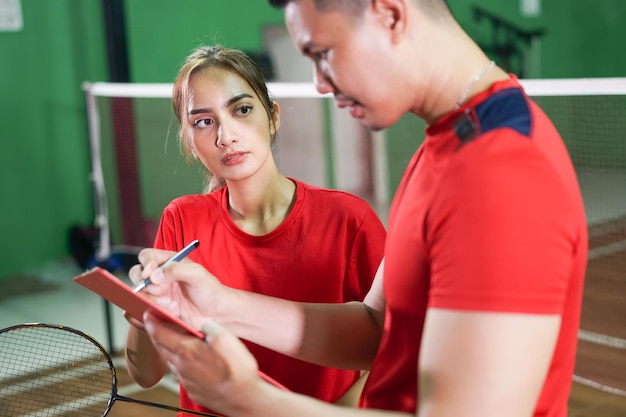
<point x="392" y="13"/>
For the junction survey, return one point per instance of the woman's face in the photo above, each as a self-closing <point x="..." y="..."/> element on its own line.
<point x="230" y="130"/>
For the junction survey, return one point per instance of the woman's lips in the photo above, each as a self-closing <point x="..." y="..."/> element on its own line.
<point x="234" y="158"/>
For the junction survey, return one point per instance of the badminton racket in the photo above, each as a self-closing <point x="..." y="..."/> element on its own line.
<point x="52" y="370"/>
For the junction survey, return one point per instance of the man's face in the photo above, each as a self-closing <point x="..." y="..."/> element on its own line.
<point x="351" y="59"/>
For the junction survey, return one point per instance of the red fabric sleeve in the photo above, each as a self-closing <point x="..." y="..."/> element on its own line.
<point x="512" y="271"/>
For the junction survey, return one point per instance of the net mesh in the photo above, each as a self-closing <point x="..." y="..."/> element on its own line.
<point x="589" y="114"/>
<point x="593" y="129"/>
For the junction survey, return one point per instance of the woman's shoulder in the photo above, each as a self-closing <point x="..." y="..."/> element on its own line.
<point x="321" y="196"/>
<point x="195" y="201"/>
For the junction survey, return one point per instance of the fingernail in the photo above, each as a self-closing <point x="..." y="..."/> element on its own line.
<point x="146" y="320"/>
<point x="211" y="329"/>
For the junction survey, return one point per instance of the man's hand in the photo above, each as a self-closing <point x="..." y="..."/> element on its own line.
<point x="216" y="372"/>
<point x="186" y="289"/>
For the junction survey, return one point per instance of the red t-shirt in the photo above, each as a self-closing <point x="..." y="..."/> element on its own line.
<point x="488" y="217"/>
<point x="327" y="250"/>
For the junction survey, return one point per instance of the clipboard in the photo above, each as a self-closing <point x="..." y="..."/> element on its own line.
<point x="110" y="287"/>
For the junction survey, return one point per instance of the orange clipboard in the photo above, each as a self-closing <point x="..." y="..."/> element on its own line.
<point x="110" y="287"/>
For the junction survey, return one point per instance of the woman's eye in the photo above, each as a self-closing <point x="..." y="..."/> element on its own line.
<point x="243" y="110"/>
<point x="200" y="123"/>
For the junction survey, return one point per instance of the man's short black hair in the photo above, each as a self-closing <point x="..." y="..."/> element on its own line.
<point x="435" y="8"/>
<point x="279" y="3"/>
<point x="350" y="7"/>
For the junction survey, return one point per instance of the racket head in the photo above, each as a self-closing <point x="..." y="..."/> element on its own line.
<point x="49" y="369"/>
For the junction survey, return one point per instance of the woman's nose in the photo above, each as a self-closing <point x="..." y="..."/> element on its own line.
<point x="226" y="134"/>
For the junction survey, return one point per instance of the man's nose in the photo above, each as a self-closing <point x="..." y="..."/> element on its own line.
<point x="321" y="81"/>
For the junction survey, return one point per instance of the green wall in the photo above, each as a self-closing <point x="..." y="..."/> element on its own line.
<point x="43" y="147"/>
<point x="44" y="154"/>
<point x="163" y="32"/>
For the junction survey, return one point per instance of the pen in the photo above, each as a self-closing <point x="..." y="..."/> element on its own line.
<point x="177" y="257"/>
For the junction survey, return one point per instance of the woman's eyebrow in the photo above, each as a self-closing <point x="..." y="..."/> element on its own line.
<point x="228" y="103"/>
<point x="237" y="98"/>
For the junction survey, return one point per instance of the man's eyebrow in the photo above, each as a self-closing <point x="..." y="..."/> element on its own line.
<point x="228" y="103"/>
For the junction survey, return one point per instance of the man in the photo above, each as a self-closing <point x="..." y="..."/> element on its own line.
<point x="486" y="248"/>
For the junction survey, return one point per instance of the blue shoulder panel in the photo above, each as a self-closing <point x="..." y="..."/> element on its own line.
<point x="506" y="108"/>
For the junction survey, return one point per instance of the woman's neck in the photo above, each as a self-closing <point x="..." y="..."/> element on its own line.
<point x="258" y="208"/>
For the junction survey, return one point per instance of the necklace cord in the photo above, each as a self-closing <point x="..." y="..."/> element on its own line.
<point x="471" y="85"/>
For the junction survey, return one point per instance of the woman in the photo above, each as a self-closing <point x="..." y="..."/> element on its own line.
<point x="258" y="230"/>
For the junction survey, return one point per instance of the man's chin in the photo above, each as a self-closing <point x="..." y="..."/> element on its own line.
<point x="382" y="122"/>
<point x="358" y="112"/>
<point x="374" y="126"/>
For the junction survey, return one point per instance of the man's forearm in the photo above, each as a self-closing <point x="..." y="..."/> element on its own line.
<point x="342" y="335"/>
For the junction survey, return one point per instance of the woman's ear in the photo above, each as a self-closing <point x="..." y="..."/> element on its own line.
<point x="275" y="118"/>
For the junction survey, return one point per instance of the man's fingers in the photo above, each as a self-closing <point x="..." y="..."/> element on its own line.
<point x="152" y="258"/>
<point x="231" y="350"/>
<point x="211" y="329"/>
<point x="134" y="273"/>
<point x="183" y="271"/>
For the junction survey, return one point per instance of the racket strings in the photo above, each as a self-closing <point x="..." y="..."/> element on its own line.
<point x="47" y="372"/>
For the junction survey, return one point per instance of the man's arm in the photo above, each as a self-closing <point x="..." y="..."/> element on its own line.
<point x="341" y="335"/>
<point x="484" y="364"/>
<point x="344" y="335"/>
<point x="222" y="374"/>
